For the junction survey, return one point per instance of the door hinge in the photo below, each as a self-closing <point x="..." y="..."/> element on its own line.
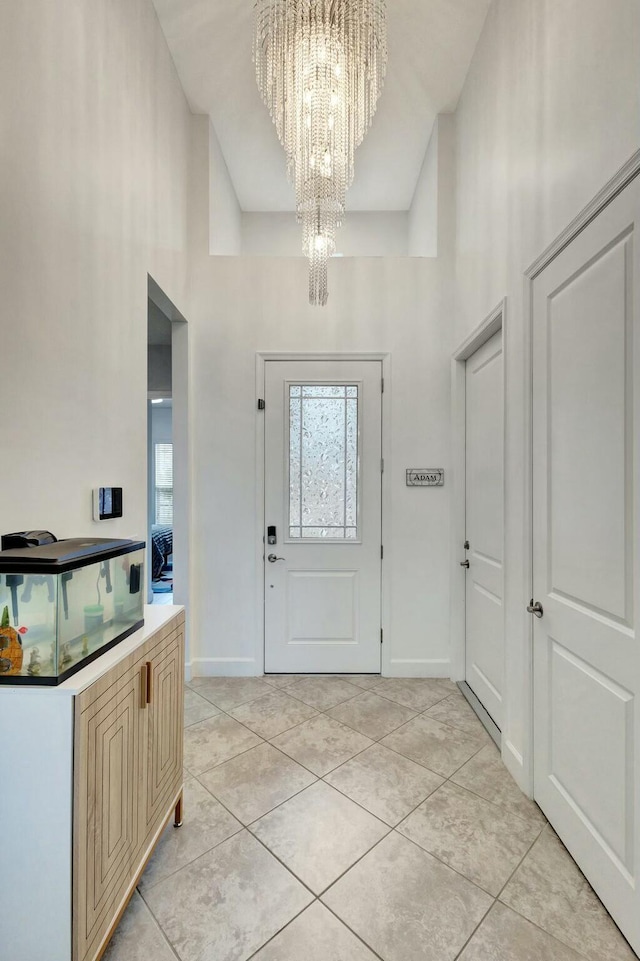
<point x="261" y="404"/>
<point x="466" y="545"/>
<point x="381" y="635"/>
<point x="382" y="385"/>
<point x="382" y="465"/>
<point x="382" y="552"/>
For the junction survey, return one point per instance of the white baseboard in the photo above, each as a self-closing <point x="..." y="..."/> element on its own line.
<point x="188" y="674"/>
<point x="224" y="667"/>
<point x="419" y="667"/>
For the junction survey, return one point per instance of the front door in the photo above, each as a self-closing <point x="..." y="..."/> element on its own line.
<point x="484" y="655"/>
<point x="323" y="440"/>
<point x="586" y="478"/>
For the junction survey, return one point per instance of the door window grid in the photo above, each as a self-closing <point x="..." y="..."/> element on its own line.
<point x="323" y="461"/>
<point x="163" y="484"/>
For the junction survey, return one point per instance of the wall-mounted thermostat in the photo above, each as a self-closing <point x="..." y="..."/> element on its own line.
<point x="107" y="503"/>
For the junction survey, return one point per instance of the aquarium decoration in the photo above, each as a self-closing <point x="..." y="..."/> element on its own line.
<point x="11" y="653"/>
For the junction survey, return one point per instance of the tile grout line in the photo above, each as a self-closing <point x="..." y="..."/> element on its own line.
<point x="203" y="854"/>
<point x="500" y="807"/>
<point x="391" y="828"/>
<point x="162" y="931"/>
<point x="520" y="914"/>
<point x="326" y="773"/>
<point x="445" y="864"/>
<point x="233" y="756"/>
<point x="283" y="928"/>
<point x="341" y="764"/>
<point x="239" y="829"/>
<point x="270" y="811"/>
<point x="489" y="800"/>
<point x="285" y="866"/>
<point x="285" y="731"/>
<point x="354" y="933"/>
<point x="375" y="739"/>
<point x="394" y="828"/>
<point x="475" y="930"/>
<point x="520" y="862"/>
<point x="444" y="776"/>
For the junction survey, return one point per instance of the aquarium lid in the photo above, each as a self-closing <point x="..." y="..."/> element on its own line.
<point x="67" y="555"/>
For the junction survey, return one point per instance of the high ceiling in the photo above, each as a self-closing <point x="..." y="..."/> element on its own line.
<point x="431" y="43"/>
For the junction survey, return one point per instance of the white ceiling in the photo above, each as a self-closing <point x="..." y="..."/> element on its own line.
<point x="431" y="43"/>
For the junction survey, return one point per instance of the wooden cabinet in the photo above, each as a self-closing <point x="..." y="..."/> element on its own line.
<point x="126" y="757"/>
<point x="110" y="732"/>
<point x="165" y="730"/>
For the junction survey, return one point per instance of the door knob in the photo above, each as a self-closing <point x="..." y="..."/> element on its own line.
<point x="464" y="563"/>
<point x="272" y="558"/>
<point x="535" y="608"/>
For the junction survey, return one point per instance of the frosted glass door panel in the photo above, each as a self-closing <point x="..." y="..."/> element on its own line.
<point x="323" y="461"/>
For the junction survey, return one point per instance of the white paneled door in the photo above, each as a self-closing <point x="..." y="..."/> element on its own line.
<point x="586" y="389"/>
<point x="484" y="652"/>
<point x="322" y="569"/>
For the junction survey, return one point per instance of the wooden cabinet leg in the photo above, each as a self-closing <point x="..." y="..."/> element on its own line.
<point x="177" y="821"/>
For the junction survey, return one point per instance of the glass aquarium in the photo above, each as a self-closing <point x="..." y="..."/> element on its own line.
<point x="65" y="603"/>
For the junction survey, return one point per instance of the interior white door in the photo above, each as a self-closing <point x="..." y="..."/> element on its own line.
<point x="484" y="653"/>
<point x="586" y="387"/>
<point x="323" y="445"/>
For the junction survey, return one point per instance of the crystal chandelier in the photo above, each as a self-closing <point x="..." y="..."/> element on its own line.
<point x="320" y="66"/>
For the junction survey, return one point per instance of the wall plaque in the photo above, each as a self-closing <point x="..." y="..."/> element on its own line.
<point x="425" y="477"/>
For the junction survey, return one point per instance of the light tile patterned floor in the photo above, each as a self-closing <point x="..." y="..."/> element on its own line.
<point x="355" y="819"/>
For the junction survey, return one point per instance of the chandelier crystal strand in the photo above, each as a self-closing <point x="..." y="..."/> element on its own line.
<point x="320" y="67"/>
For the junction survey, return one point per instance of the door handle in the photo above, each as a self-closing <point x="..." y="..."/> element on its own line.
<point x="535" y="608"/>
<point x="149" y="681"/>
<point x="464" y="563"/>
<point x="272" y="558"/>
<point x="144" y="684"/>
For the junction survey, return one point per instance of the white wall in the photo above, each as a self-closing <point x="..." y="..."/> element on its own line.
<point x="423" y="213"/>
<point x="373" y="234"/>
<point x="550" y="110"/>
<point x="159" y="368"/>
<point x="94" y="141"/>
<point x="224" y="209"/>
<point x="248" y="305"/>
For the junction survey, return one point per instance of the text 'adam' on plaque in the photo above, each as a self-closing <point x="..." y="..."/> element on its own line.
<point x="425" y="477"/>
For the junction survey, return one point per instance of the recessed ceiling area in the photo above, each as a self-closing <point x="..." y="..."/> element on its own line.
<point x="431" y="43"/>
<point x="159" y="327"/>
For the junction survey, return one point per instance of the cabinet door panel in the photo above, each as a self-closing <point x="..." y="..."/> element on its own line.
<point x="164" y="752"/>
<point x="127" y="775"/>
<point x="109" y="736"/>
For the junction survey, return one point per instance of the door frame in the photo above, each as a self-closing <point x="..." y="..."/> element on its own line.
<point x="180" y="393"/>
<point x="493" y="323"/>
<point x="624" y="176"/>
<point x="262" y="358"/>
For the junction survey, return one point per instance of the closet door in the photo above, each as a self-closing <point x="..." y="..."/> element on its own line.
<point x="586" y="390"/>
<point x="484" y="632"/>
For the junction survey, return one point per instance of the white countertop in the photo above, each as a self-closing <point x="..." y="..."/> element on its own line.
<point x="155" y="617"/>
